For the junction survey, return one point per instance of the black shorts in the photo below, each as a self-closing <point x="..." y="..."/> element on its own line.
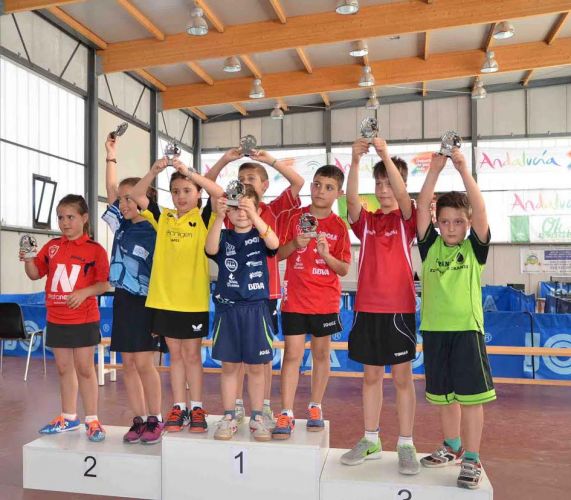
<point x="457" y="368"/>
<point x="381" y="339"/>
<point x="318" y="325"/>
<point x="181" y="325"/>
<point x="132" y="324"/>
<point x="72" y="336"/>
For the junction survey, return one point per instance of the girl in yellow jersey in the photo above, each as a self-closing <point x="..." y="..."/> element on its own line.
<point x="179" y="286"/>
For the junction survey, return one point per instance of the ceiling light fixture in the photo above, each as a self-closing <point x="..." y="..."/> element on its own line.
<point x="367" y="78"/>
<point x="478" y="90"/>
<point x="359" y="49"/>
<point x="347" y="7"/>
<point x="257" y="91"/>
<point x="277" y="113"/>
<point x="503" y="30"/>
<point x="197" y="25"/>
<point x="232" y="64"/>
<point x="490" y="64"/>
<point x="372" y="101"/>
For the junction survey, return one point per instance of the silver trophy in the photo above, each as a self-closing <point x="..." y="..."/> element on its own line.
<point x="119" y="131"/>
<point x="29" y="245"/>
<point x="369" y="128"/>
<point x="450" y="140"/>
<point x="171" y="152"/>
<point x="308" y="225"/>
<point x="247" y="144"/>
<point x="234" y="192"/>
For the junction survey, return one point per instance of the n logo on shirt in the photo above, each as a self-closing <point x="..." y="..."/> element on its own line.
<point x="66" y="281"/>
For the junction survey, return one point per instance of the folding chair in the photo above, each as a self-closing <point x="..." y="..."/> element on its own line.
<point x="12" y="328"/>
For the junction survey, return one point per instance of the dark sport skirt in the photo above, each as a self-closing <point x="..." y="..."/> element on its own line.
<point x="72" y="336"/>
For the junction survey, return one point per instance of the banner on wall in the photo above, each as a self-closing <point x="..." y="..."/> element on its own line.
<point x="555" y="262"/>
<point x="523" y="160"/>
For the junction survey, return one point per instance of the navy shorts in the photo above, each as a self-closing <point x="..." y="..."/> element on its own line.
<point x="243" y="333"/>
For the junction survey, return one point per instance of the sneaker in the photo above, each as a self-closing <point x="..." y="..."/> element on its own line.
<point x="153" y="431"/>
<point x="240" y="413"/>
<point x="284" y="427"/>
<point x="198" y="420"/>
<point x="60" y="424"/>
<point x="176" y="419"/>
<point x="442" y="457"/>
<point x="94" y="431"/>
<point x="226" y="428"/>
<point x="259" y="429"/>
<point x="268" y="416"/>
<point x="134" y="434"/>
<point x="470" y="475"/>
<point x="315" y="421"/>
<point x="408" y="463"/>
<point x="363" y="450"/>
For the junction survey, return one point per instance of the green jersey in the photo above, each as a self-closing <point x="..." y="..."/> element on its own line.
<point x="451" y="283"/>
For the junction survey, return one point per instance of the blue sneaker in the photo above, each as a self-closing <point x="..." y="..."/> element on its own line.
<point x="60" y="424"/>
<point x="315" y="421"/>
<point x="94" y="431"/>
<point x="284" y="427"/>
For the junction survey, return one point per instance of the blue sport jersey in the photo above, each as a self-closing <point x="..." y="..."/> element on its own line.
<point x="242" y="267"/>
<point x="132" y="253"/>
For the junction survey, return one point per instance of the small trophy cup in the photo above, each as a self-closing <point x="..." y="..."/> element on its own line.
<point x="369" y="128"/>
<point x="119" y="131"/>
<point x="450" y="140"/>
<point x="247" y="144"/>
<point x="308" y="225"/>
<point x="29" y="246"/>
<point x="234" y="192"/>
<point x="171" y="151"/>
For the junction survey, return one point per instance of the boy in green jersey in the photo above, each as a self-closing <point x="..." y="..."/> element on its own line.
<point x="458" y="376"/>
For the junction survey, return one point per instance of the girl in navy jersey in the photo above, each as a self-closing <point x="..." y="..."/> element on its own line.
<point x="77" y="271"/>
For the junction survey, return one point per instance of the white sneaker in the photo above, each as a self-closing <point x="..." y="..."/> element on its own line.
<point x="268" y="416"/>
<point x="225" y="429"/>
<point x="240" y="413"/>
<point x="259" y="429"/>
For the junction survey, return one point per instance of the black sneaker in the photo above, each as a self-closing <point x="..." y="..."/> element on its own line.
<point x="198" y="420"/>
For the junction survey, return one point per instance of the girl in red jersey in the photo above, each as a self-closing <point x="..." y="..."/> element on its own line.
<point x="77" y="271"/>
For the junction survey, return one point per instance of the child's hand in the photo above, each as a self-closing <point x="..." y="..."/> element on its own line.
<point x="301" y="241"/>
<point x="21" y="256"/>
<point x="359" y="148"/>
<point x="263" y="156"/>
<point x="111" y="146"/>
<point x="76" y="298"/>
<point x="180" y="167"/>
<point x="459" y="160"/>
<point x="437" y="162"/>
<point x="222" y="206"/>
<point x="381" y="147"/>
<point x="322" y="245"/>
<point x="248" y="206"/>
<point x="159" y="166"/>
<point x="232" y="154"/>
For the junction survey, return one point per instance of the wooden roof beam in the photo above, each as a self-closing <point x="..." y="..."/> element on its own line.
<point x="196" y="68"/>
<point x="325" y="98"/>
<point x="143" y="20"/>
<point x="376" y="21"/>
<point x="489" y="38"/>
<point x="198" y="113"/>
<point x="556" y="28"/>
<point x="527" y="78"/>
<point x="211" y="16"/>
<point x="13" y="6"/>
<point x="279" y="10"/>
<point x="282" y="104"/>
<point x="426" y="49"/>
<point x="77" y="26"/>
<point x="304" y="59"/>
<point x="145" y="75"/>
<point x="251" y="65"/>
<point x="409" y="70"/>
<point x="241" y="109"/>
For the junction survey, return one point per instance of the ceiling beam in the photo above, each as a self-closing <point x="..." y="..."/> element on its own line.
<point x="211" y="16"/>
<point x="325" y="98"/>
<point x="304" y="59"/>
<point x="200" y="72"/>
<point x="424" y="89"/>
<point x="143" y="20"/>
<point x="198" y="113"/>
<point x="443" y="66"/>
<point x="282" y="104"/>
<point x="251" y="65"/>
<point x="77" y="26"/>
<point x="489" y="38"/>
<point x="527" y="78"/>
<point x="145" y="75"/>
<point x="12" y="6"/>
<point x="376" y="20"/>
<point x="241" y="109"/>
<point x="279" y="10"/>
<point x="426" y="50"/>
<point x="556" y="28"/>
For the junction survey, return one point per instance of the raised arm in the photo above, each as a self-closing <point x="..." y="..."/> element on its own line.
<point x="266" y="231"/>
<point x="228" y="157"/>
<point x="213" y="189"/>
<point x="139" y="193"/>
<point x="423" y="215"/>
<point x="284" y="167"/>
<point x="360" y="147"/>
<point x="479" y="216"/>
<point x="212" y="245"/>
<point x="111" y="169"/>
<point x="337" y="266"/>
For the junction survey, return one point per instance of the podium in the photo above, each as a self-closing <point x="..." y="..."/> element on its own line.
<point x="196" y="466"/>
<point x="70" y="462"/>
<point x="376" y="479"/>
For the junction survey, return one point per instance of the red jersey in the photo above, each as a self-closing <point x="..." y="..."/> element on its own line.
<point x="310" y="285"/>
<point x="385" y="280"/>
<point x="71" y="265"/>
<point x="270" y="214"/>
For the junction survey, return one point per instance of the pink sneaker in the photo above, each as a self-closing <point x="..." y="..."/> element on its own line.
<point x="153" y="431"/>
<point x="134" y="434"/>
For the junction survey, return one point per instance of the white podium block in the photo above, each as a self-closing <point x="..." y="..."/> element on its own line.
<point x="196" y="466"/>
<point x="380" y="479"/>
<point x="70" y="462"/>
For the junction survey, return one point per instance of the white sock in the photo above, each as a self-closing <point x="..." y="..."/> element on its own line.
<point x="90" y="418"/>
<point x="69" y="416"/>
<point x="403" y="440"/>
<point x="159" y="417"/>
<point x="239" y="402"/>
<point x="144" y="417"/>
<point x="317" y="405"/>
<point x="182" y="406"/>
<point x="287" y="412"/>
<point x="372" y="436"/>
<point x="266" y="402"/>
<point x="195" y="404"/>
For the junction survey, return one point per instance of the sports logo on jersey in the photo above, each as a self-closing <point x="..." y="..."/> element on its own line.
<point x="66" y="282"/>
<point x="231" y="265"/>
<point x="197" y="328"/>
<point x="460" y="258"/>
<point x="298" y="263"/>
<point x="53" y="250"/>
<point x="192" y="224"/>
<point x="232" y="283"/>
<point x="254" y="263"/>
<point x="230" y="249"/>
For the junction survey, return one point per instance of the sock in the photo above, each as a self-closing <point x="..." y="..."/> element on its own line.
<point x="239" y="402"/>
<point x="287" y="412"/>
<point x="182" y="406"/>
<point x="255" y="413"/>
<point x="90" y="418"/>
<point x="230" y="413"/>
<point x="455" y="443"/>
<point x="195" y="404"/>
<point x="159" y="417"/>
<point x="144" y="417"/>
<point x="266" y="402"/>
<point x="372" y="436"/>
<point x="405" y="441"/>
<point x="69" y="416"/>
<point x="317" y="405"/>
<point x="472" y="456"/>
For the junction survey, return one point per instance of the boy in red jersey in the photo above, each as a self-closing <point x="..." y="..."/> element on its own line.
<point x="384" y="328"/>
<point x="312" y="294"/>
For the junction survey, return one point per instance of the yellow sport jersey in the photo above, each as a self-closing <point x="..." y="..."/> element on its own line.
<point x="180" y="279"/>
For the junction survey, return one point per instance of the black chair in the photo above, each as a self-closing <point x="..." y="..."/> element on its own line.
<point x="12" y="328"/>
